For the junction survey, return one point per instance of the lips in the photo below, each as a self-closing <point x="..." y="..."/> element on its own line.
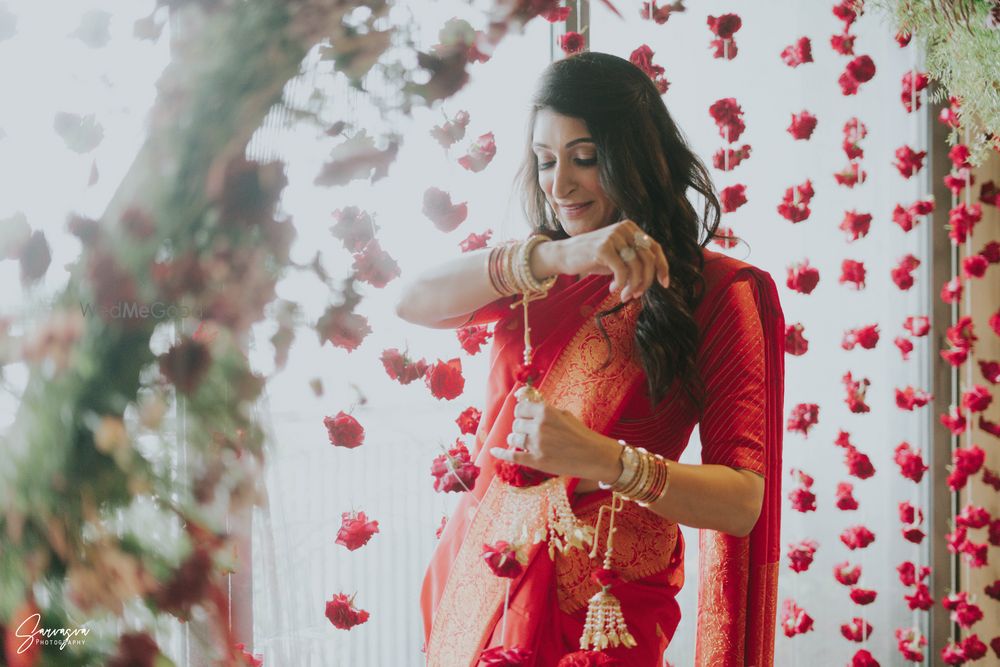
<point x="575" y="209"/>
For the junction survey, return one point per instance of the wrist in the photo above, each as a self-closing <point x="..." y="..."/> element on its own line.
<point x="610" y="462"/>
<point x="546" y="260"/>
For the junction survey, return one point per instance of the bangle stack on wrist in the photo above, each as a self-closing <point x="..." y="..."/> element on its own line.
<point x="510" y="268"/>
<point x="644" y="478"/>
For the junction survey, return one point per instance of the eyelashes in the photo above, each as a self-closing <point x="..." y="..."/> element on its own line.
<point x="583" y="162"/>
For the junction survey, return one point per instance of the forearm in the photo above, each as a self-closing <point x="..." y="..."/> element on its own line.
<point x="707" y="496"/>
<point x="445" y="295"/>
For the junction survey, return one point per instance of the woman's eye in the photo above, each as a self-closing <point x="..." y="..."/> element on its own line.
<point x="545" y="165"/>
<point x="586" y="162"/>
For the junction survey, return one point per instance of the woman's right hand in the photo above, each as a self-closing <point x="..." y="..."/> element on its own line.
<point x="598" y="252"/>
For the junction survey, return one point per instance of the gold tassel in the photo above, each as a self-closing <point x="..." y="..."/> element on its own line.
<point x="605" y="624"/>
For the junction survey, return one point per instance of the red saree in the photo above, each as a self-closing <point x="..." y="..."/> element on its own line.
<point x="741" y="359"/>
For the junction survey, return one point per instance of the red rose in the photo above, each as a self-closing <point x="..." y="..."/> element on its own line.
<point x="909" y="641"/>
<point x="794" y="619"/>
<point x="794" y="205"/>
<point x="800" y="555"/>
<point x="864" y="658"/>
<point x="342" y="614"/>
<point x="480" y="153"/>
<point x="909" y="161"/>
<point x="862" y="69"/>
<point x="185" y="364"/>
<point x="952" y="654"/>
<point x="973" y="648"/>
<point x="917" y="326"/>
<point x="993" y="590"/>
<point x="468" y="421"/>
<point x="920" y="598"/>
<point x="727" y="159"/>
<point x="355" y="530"/>
<point x="847" y="574"/>
<point x="642" y="58"/>
<point x="725" y="26"/>
<point x="732" y="197"/>
<point x="847" y="11"/>
<point x="725" y="237"/>
<point x="903" y="38"/>
<point x="858" y="629"/>
<point x="845" y="497"/>
<point x="954" y="421"/>
<point x="342" y="327"/>
<point x="989" y="477"/>
<point x="856" y="224"/>
<point x="802" y="500"/>
<point x="802" y="278"/>
<point x="968" y="460"/>
<point x="439" y="209"/>
<point x="724" y="48"/>
<point x="795" y="343"/>
<point x="843" y="44"/>
<point x="904" y="345"/>
<point x="974" y="266"/>
<point x="950" y="114"/>
<point x="401" y="368"/>
<point x="853" y="272"/>
<point x="977" y="399"/>
<point x="475" y="241"/>
<point x="803" y="417"/>
<point x="962" y="220"/>
<point x="867" y="337"/>
<point x="856" y="393"/>
<point x="911" y="463"/>
<point x="802" y="126"/>
<point x="798" y="53"/>
<point x="961" y="334"/>
<point x="454" y="470"/>
<point x="989" y="193"/>
<point x="344" y="430"/>
<point x="991" y="252"/>
<point x="972" y="516"/>
<point x="249" y="659"/>
<point x="556" y="14"/>
<point x="445" y="379"/>
<point x="472" y="338"/>
<point x="910" y="398"/>
<point x="504" y="559"/>
<point x="354" y="228"/>
<point x="375" y="266"/>
<point x="498" y="656"/>
<point x="910" y="88"/>
<point x="858" y="464"/>
<point x="857" y="537"/>
<point x="728" y="116"/>
<point x="452" y="131"/>
<point x="958" y="180"/>
<point x="851" y="175"/>
<point x="908" y="574"/>
<point x="990" y="370"/>
<point x="571" y="42"/>
<point x="959" y="153"/>
<point x="589" y="659"/>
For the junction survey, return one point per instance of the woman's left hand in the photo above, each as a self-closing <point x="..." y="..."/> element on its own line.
<point x="556" y="442"/>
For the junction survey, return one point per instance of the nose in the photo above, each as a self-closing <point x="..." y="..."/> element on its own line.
<point x="563" y="180"/>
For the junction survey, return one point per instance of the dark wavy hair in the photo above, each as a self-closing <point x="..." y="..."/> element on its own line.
<point x="646" y="168"/>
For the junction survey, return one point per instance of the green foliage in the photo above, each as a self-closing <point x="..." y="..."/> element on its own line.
<point x="962" y="55"/>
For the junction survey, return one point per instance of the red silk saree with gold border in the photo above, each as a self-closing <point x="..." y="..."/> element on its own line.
<point x="741" y="361"/>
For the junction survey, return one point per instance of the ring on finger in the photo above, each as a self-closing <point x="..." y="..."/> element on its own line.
<point x="643" y="240"/>
<point x="627" y="253"/>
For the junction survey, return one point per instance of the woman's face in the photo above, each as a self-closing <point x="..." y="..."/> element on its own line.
<point x="567" y="173"/>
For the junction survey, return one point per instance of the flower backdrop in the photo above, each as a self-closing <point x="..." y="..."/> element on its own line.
<point x="288" y="182"/>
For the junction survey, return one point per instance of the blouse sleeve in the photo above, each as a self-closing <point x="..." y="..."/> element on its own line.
<point x="731" y="360"/>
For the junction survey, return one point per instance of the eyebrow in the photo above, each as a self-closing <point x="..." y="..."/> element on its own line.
<point x="581" y="140"/>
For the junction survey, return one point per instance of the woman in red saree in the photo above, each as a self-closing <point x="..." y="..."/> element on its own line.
<point x="627" y="348"/>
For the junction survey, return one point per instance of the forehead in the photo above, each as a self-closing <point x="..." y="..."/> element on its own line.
<point x="556" y="130"/>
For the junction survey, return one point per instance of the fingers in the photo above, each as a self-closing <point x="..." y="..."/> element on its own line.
<point x="608" y="254"/>
<point x="512" y="456"/>
<point x="648" y="260"/>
